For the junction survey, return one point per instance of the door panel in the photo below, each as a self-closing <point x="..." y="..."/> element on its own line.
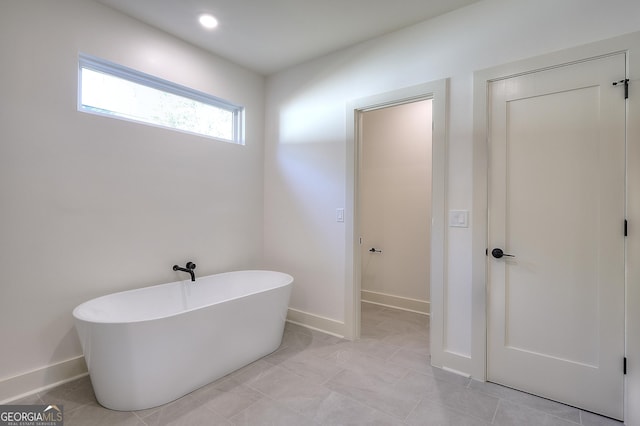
<point x="557" y="203"/>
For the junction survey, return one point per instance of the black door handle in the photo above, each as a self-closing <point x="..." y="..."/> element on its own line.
<point x="498" y="253"/>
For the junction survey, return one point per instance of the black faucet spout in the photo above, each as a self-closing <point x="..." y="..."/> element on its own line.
<point x="190" y="266"/>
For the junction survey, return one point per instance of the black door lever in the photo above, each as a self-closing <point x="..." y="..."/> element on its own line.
<point x="498" y="253"/>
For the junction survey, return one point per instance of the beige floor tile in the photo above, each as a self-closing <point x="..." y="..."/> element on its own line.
<point x="556" y="409"/>
<point x="96" y="415"/>
<point x="267" y="413"/>
<point x="71" y="395"/>
<point x="184" y="411"/>
<point x="226" y="397"/>
<point x="338" y="409"/>
<point x="374" y="390"/>
<point x="429" y="413"/>
<point x="318" y="379"/>
<point x="511" y="414"/>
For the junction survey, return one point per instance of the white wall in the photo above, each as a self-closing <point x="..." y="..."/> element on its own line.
<point x="92" y="205"/>
<point x="305" y="170"/>
<point x="89" y="205"/>
<point x="395" y="200"/>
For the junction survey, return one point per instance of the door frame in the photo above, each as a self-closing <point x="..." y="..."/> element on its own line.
<point x="437" y="91"/>
<point x="630" y="44"/>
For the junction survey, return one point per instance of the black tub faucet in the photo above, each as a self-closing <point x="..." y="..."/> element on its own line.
<point x="189" y="267"/>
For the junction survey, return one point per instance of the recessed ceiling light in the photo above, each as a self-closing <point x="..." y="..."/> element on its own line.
<point x="208" y="21"/>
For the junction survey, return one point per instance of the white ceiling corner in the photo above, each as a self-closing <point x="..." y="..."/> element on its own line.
<point x="270" y="35"/>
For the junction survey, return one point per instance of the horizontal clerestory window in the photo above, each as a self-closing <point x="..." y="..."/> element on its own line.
<point x="113" y="90"/>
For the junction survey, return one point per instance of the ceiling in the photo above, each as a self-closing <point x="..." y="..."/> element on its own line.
<point x="270" y="35"/>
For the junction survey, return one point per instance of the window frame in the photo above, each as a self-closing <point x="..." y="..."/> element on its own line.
<point x="100" y="65"/>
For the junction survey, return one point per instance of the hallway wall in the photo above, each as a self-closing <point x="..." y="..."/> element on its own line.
<point x="395" y="204"/>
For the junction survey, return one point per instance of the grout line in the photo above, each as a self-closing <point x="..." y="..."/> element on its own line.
<point x="280" y="404"/>
<point x="247" y="407"/>
<point x="394" y="354"/>
<point x="495" y="413"/>
<point x="529" y="407"/>
<point x="139" y="418"/>
<point x="457" y="410"/>
<point x="366" y="404"/>
<point x="412" y="410"/>
<point x="331" y="377"/>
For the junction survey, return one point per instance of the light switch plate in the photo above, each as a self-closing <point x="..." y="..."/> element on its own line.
<point x="459" y="218"/>
<point x="340" y="215"/>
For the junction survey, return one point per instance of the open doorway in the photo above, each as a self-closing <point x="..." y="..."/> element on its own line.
<point x="436" y="93"/>
<point x="395" y="205"/>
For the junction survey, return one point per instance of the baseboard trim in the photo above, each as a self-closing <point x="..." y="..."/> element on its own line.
<point x="459" y="373"/>
<point x="42" y="379"/>
<point x="316" y="322"/>
<point x="397" y="302"/>
<point x="456" y="362"/>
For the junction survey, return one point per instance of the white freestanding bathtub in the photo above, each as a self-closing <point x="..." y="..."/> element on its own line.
<point x="150" y="346"/>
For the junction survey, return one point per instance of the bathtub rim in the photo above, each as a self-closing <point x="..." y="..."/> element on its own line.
<point x="77" y="317"/>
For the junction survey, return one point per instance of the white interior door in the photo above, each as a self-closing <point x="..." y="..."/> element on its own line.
<point x="557" y="204"/>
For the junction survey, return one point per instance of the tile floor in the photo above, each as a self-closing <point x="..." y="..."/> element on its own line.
<point x="317" y="379"/>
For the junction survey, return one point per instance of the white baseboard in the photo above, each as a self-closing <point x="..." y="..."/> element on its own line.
<point x="398" y="302"/>
<point x="42" y="379"/>
<point x="455" y="363"/>
<point x="459" y="373"/>
<point x="316" y="322"/>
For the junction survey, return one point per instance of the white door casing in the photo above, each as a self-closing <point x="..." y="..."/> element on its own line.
<point x="438" y="92"/>
<point x="557" y="203"/>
